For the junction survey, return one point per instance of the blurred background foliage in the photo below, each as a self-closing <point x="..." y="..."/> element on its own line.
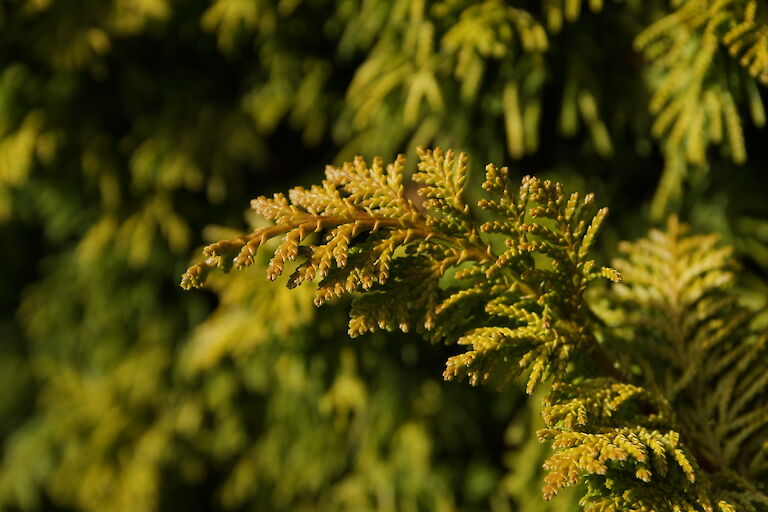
<point x="131" y="129"/>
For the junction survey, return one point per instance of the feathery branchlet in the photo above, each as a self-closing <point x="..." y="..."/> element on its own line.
<point x="688" y="434"/>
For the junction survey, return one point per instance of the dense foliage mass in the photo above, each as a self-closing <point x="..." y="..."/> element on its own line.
<point x="128" y="128"/>
<point x="688" y="434"/>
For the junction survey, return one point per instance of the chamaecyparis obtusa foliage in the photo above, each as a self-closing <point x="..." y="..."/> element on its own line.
<point x="419" y="72"/>
<point x="428" y="65"/>
<point x="233" y="406"/>
<point x="688" y="435"/>
<point x="126" y="126"/>
<point x="372" y="229"/>
<point x="706" y="353"/>
<point x="696" y="89"/>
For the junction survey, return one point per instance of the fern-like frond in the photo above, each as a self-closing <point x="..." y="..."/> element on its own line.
<point x="354" y="202"/>
<point x="492" y="30"/>
<point x="612" y="431"/>
<point x="696" y="345"/>
<point x="680" y="426"/>
<point x="748" y="40"/>
<point x="686" y="429"/>
<point x="358" y="232"/>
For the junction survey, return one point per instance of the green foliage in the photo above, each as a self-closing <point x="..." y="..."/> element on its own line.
<point x="285" y="412"/>
<point x="679" y="303"/>
<point x="696" y="429"/>
<point x="689" y="434"/>
<point x="369" y="445"/>
<point x="418" y="73"/>
<point x="693" y="99"/>
<point x="128" y="127"/>
<point x="521" y="298"/>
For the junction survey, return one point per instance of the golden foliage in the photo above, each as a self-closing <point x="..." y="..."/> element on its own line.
<point x="687" y="435"/>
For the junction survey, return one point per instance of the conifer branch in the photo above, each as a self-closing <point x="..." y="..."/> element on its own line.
<point x="688" y="437"/>
<point x="371" y="229"/>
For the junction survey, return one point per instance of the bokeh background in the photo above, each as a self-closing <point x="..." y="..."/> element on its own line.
<point x="134" y="131"/>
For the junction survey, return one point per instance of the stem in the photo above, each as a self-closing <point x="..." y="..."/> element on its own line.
<point x="479" y="252"/>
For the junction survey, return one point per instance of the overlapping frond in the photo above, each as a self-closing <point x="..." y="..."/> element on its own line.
<point x="363" y="216"/>
<point x="618" y="437"/>
<point x="357" y="227"/>
<point x="697" y="345"/>
<point x="538" y="307"/>
<point x="525" y="306"/>
<point x="681" y="425"/>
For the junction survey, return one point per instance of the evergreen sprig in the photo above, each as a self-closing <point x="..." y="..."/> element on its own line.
<point x="525" y="304"/>
<point x="697" y="346"/>
<point x="686" y="430"/>
<point x="509" y="282"/>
